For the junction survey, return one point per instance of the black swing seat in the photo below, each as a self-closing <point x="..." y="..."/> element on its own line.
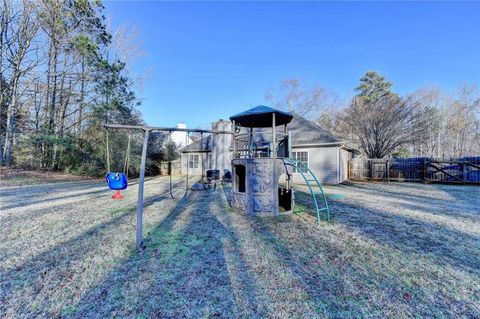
<point x="213" y="174"/>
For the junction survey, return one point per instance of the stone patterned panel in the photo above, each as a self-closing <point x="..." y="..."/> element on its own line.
<point x="261" y="186"/>
<point x="261" y="177"/>
<point x="238" y="201"/>
<point x="262" y="204"/>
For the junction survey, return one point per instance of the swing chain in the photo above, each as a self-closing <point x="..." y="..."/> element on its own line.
<point x="126" y="164"/>
<point x="127" y="156"/>
<point x="107" y="151"/>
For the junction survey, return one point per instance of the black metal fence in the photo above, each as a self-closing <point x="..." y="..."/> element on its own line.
<point x="465" y="170"/>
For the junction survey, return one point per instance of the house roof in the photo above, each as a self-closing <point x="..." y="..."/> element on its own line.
<point x="261" y="116"/>
<point x="304" y="131"/>
<point x="201" y="145"/>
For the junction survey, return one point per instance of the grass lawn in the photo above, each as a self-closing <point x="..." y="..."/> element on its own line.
<point x="392" y="250"/>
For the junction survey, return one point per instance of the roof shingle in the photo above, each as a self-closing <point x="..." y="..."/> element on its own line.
<point x="303" y="132"/>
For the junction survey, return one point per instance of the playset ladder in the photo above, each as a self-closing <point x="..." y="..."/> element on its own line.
<point x="312" y="182"/>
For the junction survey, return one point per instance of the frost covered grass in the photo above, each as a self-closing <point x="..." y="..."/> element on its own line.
<point x="392" y="250"/>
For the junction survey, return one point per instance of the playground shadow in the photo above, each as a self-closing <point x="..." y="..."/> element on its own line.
<point x="324" y="287"/>
<point x="444" y="245"/>
<point x="40" y="189"/>
<point x="373" y="187"/>
<point x="326" y="271"/>
<point x="181" y="273"/>
<point x="454" y="247"/>
<point x="78" y="198"/>
<point x="228" y="193"/>
<point x="403" y="190"/>
<point x="33" y="194"/>
<point x="30" y="202"/>
<point x="462" y="206"/>
<point x="40" y="270"/>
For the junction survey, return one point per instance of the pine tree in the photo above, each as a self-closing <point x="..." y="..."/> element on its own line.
<point x="378" y="121"/>
<point x="374" y="87"/>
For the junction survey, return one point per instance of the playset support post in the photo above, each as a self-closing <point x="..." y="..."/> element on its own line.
<point x="139" y="237"/>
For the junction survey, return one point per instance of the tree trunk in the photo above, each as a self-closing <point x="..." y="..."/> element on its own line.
<point x="82" y="97"/>
<point x="3" y="29"/>
<point x="52" y="108"/>
<point x="7" y="151"/>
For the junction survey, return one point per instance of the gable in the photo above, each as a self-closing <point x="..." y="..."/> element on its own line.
<point x="304" y="131"/>
<point x="202" y="145"/>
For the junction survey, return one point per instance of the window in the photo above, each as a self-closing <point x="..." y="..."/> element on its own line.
<point x="193" y="161"/>
<point x="303" y="157"/>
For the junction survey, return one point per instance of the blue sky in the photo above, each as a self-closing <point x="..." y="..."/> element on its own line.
<point x="210" y="60"/>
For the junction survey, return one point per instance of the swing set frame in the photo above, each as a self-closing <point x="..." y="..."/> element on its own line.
<point x="146" y="134"/>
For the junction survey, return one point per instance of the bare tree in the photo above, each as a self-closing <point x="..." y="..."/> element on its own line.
<point x="127" y="46"/>
<point x="462" y="121"/>
<point x="379" y="127"/>
<point x="451" y="122"/>
<point x="20" y="60"/>
<point x="427" y="105"/>
<point x="309" y="102"/>
<point x="57" y="82"/>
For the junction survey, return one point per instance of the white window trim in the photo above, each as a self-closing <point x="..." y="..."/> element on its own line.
<point x="193" y="161"/>
<point x="308" y="158"/>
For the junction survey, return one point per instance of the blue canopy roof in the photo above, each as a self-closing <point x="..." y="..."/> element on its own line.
<point x="261" y="116"/>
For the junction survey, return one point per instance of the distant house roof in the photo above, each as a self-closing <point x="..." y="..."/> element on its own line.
<point x="304" y="131"/>
<point x="202" y="145"/>
<point x="261" y="116"/>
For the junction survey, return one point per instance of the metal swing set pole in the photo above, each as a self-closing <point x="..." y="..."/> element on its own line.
<point x="139" y="235"/>
<point x="147" y="130"/>
<point x="170" y="168"/>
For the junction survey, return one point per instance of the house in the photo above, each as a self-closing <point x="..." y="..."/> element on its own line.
<point x="325" y="154"/>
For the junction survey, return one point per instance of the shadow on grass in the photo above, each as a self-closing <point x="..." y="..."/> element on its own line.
<point x="326" y="288"/>
<point x="182" y="272"/>
<point x="408" y="190"/>
<point x="52" y="209"/>
<point x="35" y="273"/>
<point x="340" y="284"/>
<point x="32" y="192"/>
<point x="186" y="269"/>
<point x="461" y="207"/>
<point x="39" y="190"/>
<point x="26" y="203"/>
<point x="410" y="235"/>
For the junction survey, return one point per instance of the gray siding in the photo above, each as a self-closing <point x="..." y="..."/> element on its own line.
<point x="345" y="156"/>
<point x="323" y="161"/>
<point x="203" y="160"/>
<point x="329" y="163"/>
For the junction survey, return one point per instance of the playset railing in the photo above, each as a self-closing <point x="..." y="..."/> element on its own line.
<point x="260" y="144"/>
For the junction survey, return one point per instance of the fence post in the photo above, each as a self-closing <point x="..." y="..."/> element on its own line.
<point x="387" y="167"/>
<point x="424" y="170"/>
<point x="370" y="173"/>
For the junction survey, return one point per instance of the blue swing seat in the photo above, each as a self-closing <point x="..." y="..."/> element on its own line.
<point x="117" y="181"/>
